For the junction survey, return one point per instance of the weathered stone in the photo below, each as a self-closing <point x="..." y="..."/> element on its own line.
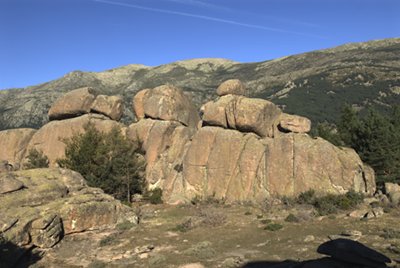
<point x="54" y="202"/>
<point x="232" y="86"/>
<point x="393" y="191"/>
<point x="164" y="143"/>
<point x="47" y="231"/>
<point x="169" y="103"/>
<point x="49" y="139"/>
<point x="13" y="143"/>
<point x="72" y="104"/>
<point x="294" y="123"/>
<point x="138" y="106"/>
<point x="8" y="184"/>
<point x="244" y="114"/>
<point x="110" y="106"/>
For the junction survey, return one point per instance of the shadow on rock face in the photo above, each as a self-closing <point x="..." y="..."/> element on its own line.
<point x="343" y="253"/>
<point x="12" y="255"/>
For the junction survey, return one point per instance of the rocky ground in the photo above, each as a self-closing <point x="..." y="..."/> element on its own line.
<point x="217" y="235"/>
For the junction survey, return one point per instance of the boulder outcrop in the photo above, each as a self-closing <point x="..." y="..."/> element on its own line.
<point x="49" y="139"/>
<point x="166" y="103"/>
<point x="242" y="149"/>
<point x="13" y="143"/>
<point x="244" y="114"/>
<point x="246" y="150"/>
<point x="73" y="104"/>
<point x="110" y="106"/>
<point x="53" y="203"/>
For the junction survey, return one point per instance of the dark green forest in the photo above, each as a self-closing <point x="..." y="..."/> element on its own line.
<point x="374" y="135"/>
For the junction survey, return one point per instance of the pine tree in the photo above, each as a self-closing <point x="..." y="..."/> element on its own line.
<point x="106" y="160"/>
<point x="36" y="159"/>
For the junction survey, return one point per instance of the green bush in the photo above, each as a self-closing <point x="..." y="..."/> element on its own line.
<point x="105" y="160"/>
<point x="291" y="218"/>
<point x="36" y="159"/>
<point x="306" y="197"/>
<point x="155" y="196"/>
<point x="273" y="227"/>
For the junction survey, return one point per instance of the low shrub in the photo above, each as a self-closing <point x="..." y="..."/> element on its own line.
<point x="126" y="225"/>
<point x="36" y="159"/>
<point x="273" y="227"/>
<point x="155" y="196"/>
<point x="292" y="218"/>
<point x="330" y="203"/>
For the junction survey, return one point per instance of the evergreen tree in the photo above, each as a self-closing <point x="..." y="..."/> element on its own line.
<point x="106" y="160"/>
<point x="36" y="159"/>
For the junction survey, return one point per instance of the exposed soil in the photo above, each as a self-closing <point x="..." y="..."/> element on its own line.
<point x="218" y="236"/>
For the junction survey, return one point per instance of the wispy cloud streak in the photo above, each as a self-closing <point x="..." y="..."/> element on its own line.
<point x="208" y="18"/>
<point x="202" y="4"/>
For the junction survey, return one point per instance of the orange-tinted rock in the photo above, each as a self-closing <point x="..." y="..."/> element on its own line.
<point x="232" y="86"/>
<point x="110" y="106"/>
<point x="170" y="104"/>
<point x="294" y="123"/>
<point x="49" y="139"/>
<point x="138" y="103"/>
<point x="72" y="104"/>
<point x="13" y="143"/>
<point x="244" y="114"/>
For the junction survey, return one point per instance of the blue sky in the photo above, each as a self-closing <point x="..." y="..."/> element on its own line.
<point x="41" y="40"/>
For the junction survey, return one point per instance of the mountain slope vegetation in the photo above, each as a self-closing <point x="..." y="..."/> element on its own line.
<point x="315" y="84"/>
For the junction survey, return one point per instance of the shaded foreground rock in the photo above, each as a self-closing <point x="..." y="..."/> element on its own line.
<point x="72" y="104"/>
<point x="54" y="203"/>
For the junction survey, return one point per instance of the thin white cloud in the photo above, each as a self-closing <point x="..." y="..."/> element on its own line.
<point x="201" y="4"/>
<point x="208" y="18"/>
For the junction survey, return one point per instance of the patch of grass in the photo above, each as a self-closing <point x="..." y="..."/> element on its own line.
<point x="97" y="264"/>
<point x="126" y="225"/>
<point x="212" y="217"/>
<point x="389" y="233"/>
<point x="330" y="203"/>
<point x="106" y="241"/>
<point x="202" y="250"/>
<point x="247" y="213"/>
<point x="184" y="226"/>
<point x="273" y="227"/>
<point x="265" y="221"/>
<point x="292" y="218"/>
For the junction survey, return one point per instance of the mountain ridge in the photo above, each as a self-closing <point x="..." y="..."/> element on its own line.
<point x="313" y="84"/>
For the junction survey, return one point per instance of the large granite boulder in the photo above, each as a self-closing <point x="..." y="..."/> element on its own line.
<point x="164" y="144"/>
<point x="244" y="114"/>
<point x="232" y="86"/>
<point x="13" y="143"/>
<point x="49" y="139"/>
<point x="54" y="203"/>
<point x="167" y="103"/>
<point x="110" y="106"/>
<point x="73" y="104"/>
<point x="138" y="106"/>
<point x="294" y="123"/>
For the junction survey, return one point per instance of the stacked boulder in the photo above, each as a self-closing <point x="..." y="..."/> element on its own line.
<point x="245" y="149"/>
<point x="235" y="148"/>
<point x="68" y="116"/>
